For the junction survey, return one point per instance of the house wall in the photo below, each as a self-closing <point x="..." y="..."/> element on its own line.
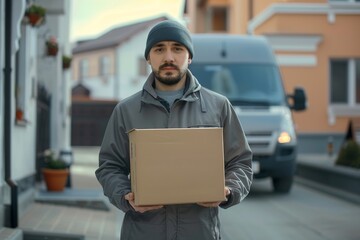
<point x="55" y="78"/>
<point x="261" y="5"/>
<point x="24" y="133"/>
<point x="125" y="76"/>
<point x="129" y="54"/>
<point x="198" y="15"/>
<point x="319" y="125"/>
<point x="26" y="73"/>
<point x="339" y="40"/>
<point x="101" y="87"/>
<point x="93" y="58"/>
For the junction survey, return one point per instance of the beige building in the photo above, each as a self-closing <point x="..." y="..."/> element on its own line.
<point x="316" y="44"/>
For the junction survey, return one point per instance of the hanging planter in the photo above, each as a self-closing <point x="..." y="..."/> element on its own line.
<point x="19" y="114"/>
<point x="52" y="46"/>
<point x="35" y="15"/>
<point x="66" y="62"/>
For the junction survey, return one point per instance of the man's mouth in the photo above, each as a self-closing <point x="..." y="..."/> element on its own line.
<point x="168" y="67"/>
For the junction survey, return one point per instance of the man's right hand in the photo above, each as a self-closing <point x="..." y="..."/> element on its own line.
<point x="141" y="209"/>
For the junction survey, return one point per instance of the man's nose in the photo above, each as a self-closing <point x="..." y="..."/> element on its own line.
<point x="168" y="57"/>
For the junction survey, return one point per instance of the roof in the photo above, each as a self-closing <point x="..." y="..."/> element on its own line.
<point x="115" y="36"/>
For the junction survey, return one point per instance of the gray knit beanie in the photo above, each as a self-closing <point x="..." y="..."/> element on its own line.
<point x="169" y="30"/>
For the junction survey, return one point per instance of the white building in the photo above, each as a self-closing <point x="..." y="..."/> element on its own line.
<point x="106" y="70"/>
<point x="112" y="66"/>
<point x="34" y="101"/>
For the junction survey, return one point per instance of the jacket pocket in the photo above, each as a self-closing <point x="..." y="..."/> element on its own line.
<point x="149" y="225"/>
<point x="197" y="222"/>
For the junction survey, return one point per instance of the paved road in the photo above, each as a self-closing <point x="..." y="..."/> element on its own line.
<point x="303" y="214"/>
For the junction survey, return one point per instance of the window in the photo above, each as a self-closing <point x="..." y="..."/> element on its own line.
<point x="345" y="81"/>
<point x="244" y="84"/>
<point x="22" y="80"/>
<point x="339" y="82"/>
<point x="219" y="19"/>
<point x="104" y="66"/>
<point x="84" y="69"/>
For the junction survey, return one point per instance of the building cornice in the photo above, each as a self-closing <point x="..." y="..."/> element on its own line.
<point x="294" y="42"/>
<point x="330" y="9"/>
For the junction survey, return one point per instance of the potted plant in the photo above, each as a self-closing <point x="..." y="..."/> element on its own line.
<point x="55" y="172"/>
<point x="349" y="154"/>
<point x="52" y="46"/>
<point x="35" y="14"/>
<point x="66" y="61"/>
<point x="19" y="114"/>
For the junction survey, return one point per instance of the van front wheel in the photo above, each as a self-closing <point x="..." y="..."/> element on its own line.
<point x="282" y="185"/>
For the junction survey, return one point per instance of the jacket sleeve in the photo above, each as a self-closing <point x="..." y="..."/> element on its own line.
<point x="114" y="165"/>
<point x="238" y="157"/>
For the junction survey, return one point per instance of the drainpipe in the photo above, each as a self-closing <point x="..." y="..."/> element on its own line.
<point x="12" y="211"/>
<point x="251" y="10"/>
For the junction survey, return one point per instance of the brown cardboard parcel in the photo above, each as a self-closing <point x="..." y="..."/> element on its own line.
<point x="177" y="165"/>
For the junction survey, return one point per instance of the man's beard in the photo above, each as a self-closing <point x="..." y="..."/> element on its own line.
<point x="169" y="79"/>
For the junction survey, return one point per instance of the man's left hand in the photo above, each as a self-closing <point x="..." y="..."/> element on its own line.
<point x="215" y="204"/>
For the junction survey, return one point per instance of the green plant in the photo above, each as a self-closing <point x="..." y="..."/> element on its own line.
<point x="35" y="9"/>
<point x="52" y="42"/>
<point x="349" y="154"/>
<point x="66" y="61"/>
<point x="53" y="162"/>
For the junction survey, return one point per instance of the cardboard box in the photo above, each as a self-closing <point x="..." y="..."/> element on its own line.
<point x="177" y="165"/>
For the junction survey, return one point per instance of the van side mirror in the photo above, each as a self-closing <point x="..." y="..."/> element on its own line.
<point x="299" y="102"/>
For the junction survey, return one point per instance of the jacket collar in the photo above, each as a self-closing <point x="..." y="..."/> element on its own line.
<point x="191" y="86"/>
<point x="191" y="91"/>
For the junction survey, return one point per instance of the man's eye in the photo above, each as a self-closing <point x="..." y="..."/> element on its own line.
<point x="158" y="50"/>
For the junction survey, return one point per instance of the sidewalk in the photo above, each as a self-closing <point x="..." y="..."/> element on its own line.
<point x="80" y="219"/>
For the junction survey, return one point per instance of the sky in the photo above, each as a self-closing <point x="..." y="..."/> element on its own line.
<point x="91" y="18"/>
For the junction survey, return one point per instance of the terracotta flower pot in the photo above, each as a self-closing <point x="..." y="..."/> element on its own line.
<point x="19" y="114"/>
<point x="52" y="51"/>
<point x="66" y="65"/>
<point x="55" y="179"/>
<point x="34" y="19"/>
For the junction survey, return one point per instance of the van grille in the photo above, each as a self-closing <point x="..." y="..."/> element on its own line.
<point x="259" y="134"/>
<point x="262" y="143"/>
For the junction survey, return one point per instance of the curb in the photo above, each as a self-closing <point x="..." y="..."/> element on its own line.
<point x="336" y="180"/>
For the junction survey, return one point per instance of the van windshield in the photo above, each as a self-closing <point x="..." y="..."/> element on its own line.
<point x="243" y="84"/>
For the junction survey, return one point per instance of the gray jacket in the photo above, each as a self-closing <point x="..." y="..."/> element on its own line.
<point x="199" y="107"/>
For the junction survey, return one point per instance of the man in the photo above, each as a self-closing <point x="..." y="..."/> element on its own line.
<point x="172" y="98"/>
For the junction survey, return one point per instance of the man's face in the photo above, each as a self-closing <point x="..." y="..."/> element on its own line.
<point x="169" y="61"/>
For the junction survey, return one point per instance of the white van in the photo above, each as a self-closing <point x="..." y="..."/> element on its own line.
<point x="244" y="69"/>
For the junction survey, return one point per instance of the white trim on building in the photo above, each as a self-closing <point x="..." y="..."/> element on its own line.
<point x="297" y="43"/>
<point x="332" y="9"/>
<point x="296" y="60"/>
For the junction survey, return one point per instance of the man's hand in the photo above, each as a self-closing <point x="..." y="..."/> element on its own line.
<point x="215" y="204"/>
<point x="130" y="198"/>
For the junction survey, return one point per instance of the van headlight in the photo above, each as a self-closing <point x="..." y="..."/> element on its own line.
<point x="287" y="132"/>
<point x="284" y="137"/>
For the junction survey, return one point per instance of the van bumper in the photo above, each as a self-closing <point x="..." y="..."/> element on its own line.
<point x="280" y="164"/>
